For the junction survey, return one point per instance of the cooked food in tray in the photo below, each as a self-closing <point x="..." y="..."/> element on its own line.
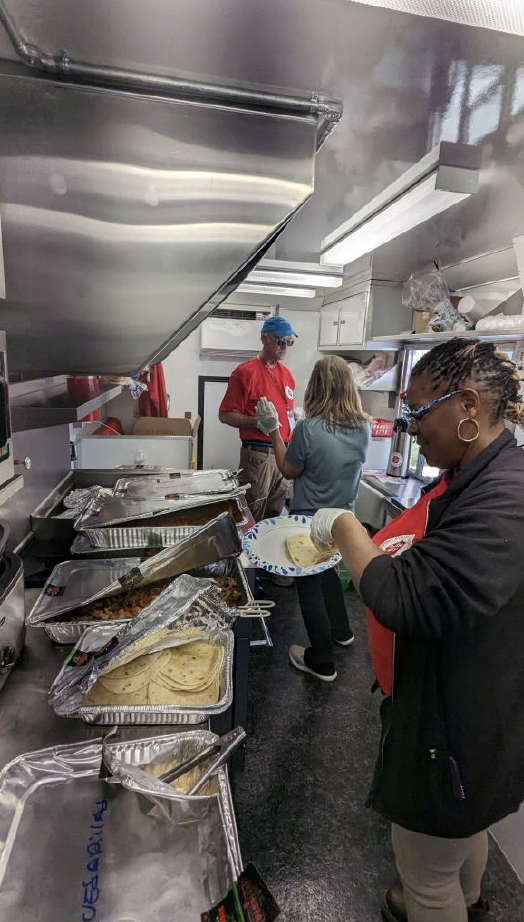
<point x="186" y="675"/>
<point x="130" y="603"/>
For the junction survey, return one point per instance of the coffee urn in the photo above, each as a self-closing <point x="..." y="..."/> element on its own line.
<point x="400" y="454"/>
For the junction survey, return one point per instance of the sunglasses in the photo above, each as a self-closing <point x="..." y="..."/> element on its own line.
<point x="412" y="416"/>
<point x="284" y="341"/>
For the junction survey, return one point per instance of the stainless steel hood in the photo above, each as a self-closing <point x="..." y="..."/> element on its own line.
<point x="125" y="216"/>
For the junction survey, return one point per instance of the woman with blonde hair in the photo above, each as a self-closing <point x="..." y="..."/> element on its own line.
<point x="324" y="458"/>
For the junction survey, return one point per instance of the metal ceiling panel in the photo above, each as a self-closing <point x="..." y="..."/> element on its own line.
<point x="123" y="215"/>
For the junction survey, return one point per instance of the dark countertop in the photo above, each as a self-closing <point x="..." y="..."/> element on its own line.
<point x="401" y="493"/>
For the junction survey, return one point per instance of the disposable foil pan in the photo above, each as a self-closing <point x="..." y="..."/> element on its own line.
<point x="161" y="714"/>
<point x="203" y="482"/>
<point x="82" y="547"/>
<point x="101" y="513"/>
<point x="59" y="818"/>
<point x="69" y="632"/>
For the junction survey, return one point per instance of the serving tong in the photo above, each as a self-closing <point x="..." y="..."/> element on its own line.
<point x="221" y="749"/>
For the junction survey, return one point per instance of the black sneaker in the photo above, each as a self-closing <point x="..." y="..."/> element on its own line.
<point x="296" y="658"/>
<point x="480" y="912"/>
<point x="345" y="641"/>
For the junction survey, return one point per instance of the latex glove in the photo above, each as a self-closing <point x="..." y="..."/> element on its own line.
<point x="267" y="416"/>
<point x="322" y="527"/>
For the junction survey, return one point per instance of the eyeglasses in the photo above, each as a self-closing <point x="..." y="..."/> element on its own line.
<point x="284" y="341"/>
<point x="413" y="416"/>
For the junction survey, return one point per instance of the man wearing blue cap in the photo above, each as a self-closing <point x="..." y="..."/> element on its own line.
<point x="263" y="376"/>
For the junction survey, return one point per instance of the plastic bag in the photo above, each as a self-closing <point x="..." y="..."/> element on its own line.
<point x="425" y="291"/>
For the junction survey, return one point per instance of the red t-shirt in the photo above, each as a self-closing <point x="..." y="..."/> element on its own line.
<point x="253" y="380"/>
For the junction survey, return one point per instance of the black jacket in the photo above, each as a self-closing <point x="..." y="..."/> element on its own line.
<point x="452" y="750"/>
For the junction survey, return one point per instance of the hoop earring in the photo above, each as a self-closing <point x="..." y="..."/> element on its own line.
<point x="467" y="419"/>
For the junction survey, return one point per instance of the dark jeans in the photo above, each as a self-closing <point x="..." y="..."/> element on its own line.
<point x="323" y="609"/>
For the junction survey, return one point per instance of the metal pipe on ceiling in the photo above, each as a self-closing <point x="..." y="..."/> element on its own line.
<point x="328" y="111"/>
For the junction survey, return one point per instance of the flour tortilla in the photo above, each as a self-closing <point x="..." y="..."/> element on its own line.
<point x="185" y="675"/>
<point x="303" y="553"/>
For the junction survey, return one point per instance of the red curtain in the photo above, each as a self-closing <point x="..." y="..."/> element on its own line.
<point x="153" y="402"/>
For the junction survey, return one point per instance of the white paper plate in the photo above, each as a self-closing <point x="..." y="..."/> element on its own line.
<point x="265" y="545"/>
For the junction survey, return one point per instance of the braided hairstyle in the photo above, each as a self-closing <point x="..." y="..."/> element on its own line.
<point x="456" y="361"/>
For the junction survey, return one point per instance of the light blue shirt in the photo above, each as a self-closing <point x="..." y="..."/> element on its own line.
<point x="332" y="462"/>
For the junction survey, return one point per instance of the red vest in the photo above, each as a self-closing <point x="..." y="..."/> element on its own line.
<point x="395" y="538"/>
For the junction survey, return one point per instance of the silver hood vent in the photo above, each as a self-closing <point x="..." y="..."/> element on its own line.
<point x="131" y="204"/>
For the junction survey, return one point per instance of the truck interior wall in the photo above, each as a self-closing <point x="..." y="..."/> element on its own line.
<point x="183" y="367"/>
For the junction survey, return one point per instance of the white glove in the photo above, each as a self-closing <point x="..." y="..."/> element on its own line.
<point x="322" y="527"/>
<point x="267" y="416"/>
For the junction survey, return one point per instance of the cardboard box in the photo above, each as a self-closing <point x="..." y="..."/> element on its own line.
<point x="151" y="425"/>
<point x="422" y="319"/>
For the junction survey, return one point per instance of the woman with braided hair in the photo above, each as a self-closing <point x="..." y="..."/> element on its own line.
<point x="444" y="586"/>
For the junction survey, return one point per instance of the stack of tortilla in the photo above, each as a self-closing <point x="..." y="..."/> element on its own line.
<point x="187" y="675"/>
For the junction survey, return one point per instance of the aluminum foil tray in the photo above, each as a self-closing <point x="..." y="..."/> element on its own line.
<point x="149" y="534"/>
<point x="69" y="632"/>
<point x="82" y="547"/>
<point x="156" y="511"/>
<point x="59" y="818"/>
<point x="202" y="482"/>
<point x="164" y="715"/>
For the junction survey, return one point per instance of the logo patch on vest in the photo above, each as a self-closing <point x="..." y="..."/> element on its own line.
<point x="396" y="546"/>
<point x="289" y="392"/>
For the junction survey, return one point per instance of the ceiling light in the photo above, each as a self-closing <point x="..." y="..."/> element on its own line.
<point x="444" y="177"/>
<point x="296" y="278"/>
<point x="255" y="289"/>
<point x="284" y="272"/>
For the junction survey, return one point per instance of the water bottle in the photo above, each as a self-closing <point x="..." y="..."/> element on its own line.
<point x="140" y="459"/>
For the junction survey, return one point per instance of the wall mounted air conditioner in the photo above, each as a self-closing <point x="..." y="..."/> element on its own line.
<point x="224" y="337"/>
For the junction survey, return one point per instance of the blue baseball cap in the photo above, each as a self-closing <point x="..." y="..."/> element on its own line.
<point x="279" y="326"/>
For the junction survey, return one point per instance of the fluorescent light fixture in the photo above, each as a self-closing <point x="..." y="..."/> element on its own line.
<point x="283" y="272"/>
<point x="444" y="177"/>
<point x="255" y="289"/>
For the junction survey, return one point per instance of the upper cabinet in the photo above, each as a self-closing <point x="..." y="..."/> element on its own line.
<point x="371" y="310"/>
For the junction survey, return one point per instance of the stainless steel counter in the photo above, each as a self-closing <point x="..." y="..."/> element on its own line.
<point x="382" y="498"/>
<point x="28" y="721"/>
<point x="401" y="493"/>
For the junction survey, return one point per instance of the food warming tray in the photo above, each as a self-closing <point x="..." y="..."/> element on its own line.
<point x="44" y="522"/>
<point x="129" y="848"/>
<point x="82" y="578"/>
<point x="120" y="523"/>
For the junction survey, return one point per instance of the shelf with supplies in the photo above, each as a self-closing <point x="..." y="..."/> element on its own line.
<point x="397" y="340"/>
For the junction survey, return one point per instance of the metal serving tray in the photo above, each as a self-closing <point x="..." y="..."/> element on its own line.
<point x="45" y="524"/>
<point x="62" y="631"/>
<point x="151" y="527"/>
<point x="164" y="715"/>
<point x="59" y="818"/>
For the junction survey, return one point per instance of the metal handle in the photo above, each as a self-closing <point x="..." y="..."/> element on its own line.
<point x="224" y="747"/>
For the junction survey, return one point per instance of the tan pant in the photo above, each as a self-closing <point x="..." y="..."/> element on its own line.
<point x="440" y="877"/>
<point x="268" y="489"/>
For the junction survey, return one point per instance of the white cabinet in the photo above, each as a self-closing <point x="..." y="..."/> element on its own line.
<point x="368" y="309"/>
<point x="329" y="319"/>
<point x="343" y="322"/>
<point x="352" y="319"/>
